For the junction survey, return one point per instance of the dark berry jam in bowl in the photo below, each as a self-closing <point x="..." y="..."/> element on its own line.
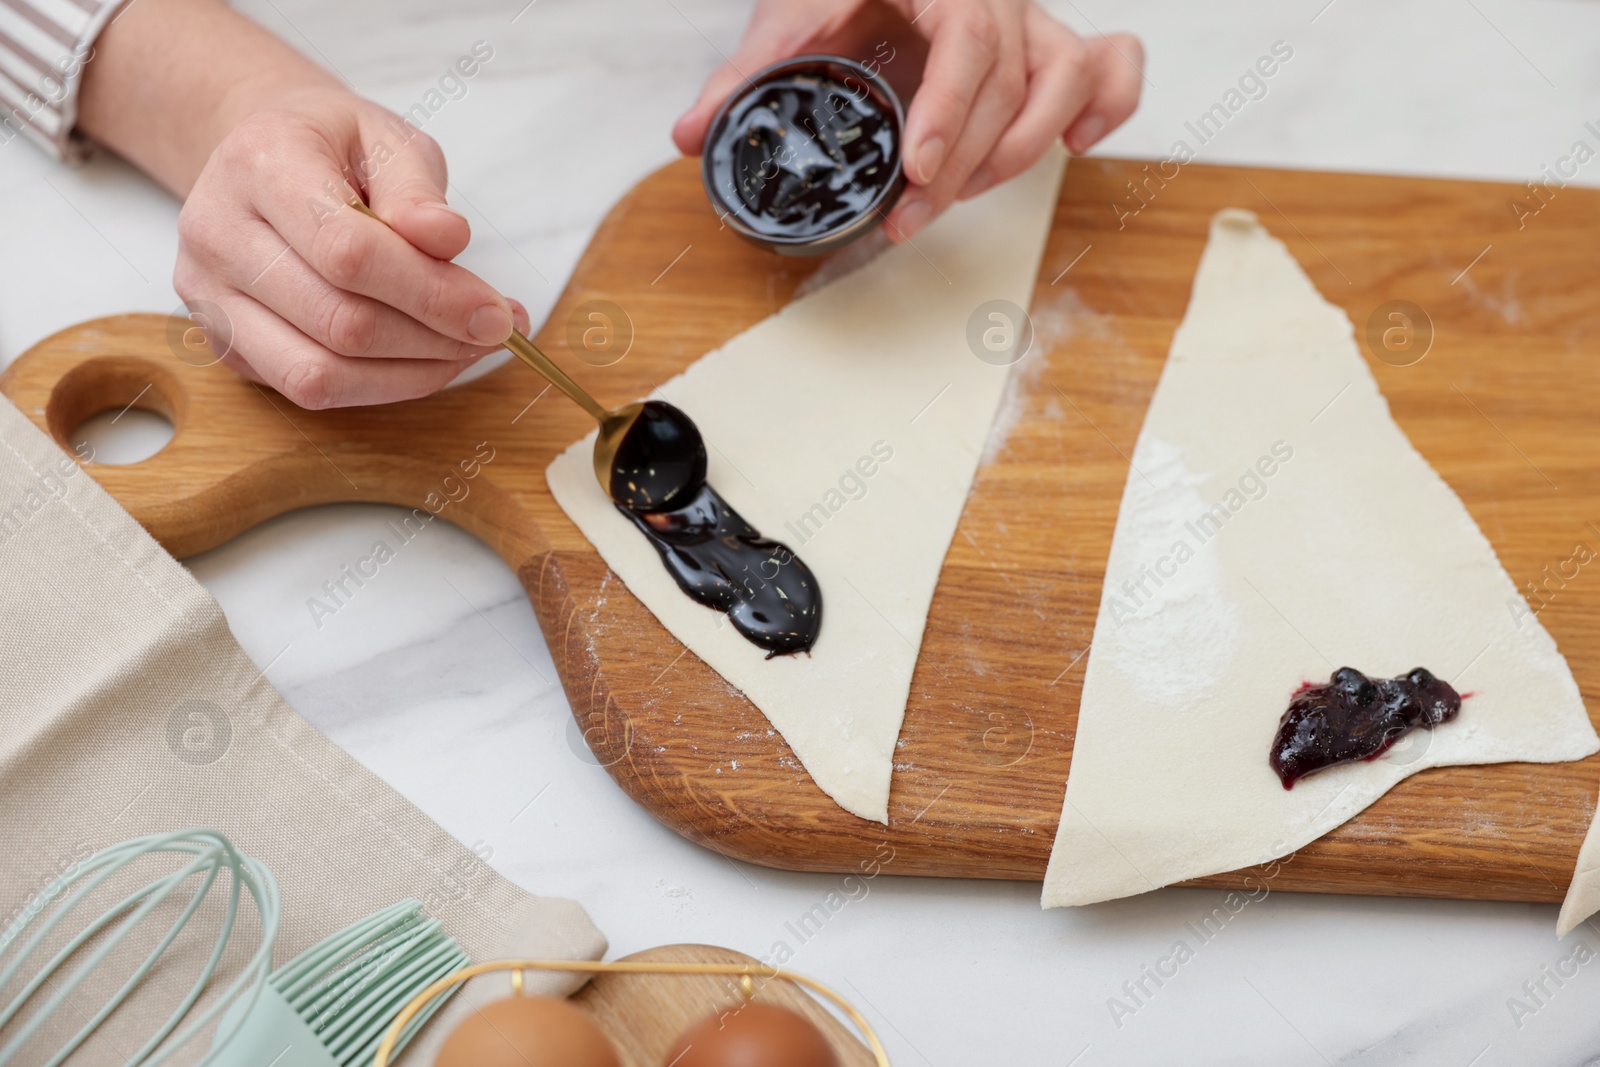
<point x="805" y="157"/>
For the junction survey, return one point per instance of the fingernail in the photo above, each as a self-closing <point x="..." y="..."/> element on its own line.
<point x="928" y="159"/>
<point x="1090" y="130"/>
<point x="519" y="316"/>
<point x="981" y="179"/>
<point x="489" y="325"/>
<point x="914" y="216"/>
<point x="446" y="209"/>
<point x="680" y="135"/>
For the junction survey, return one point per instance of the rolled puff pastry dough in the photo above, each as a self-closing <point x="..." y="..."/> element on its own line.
<point x="1351" y="551"/>
<point x="1583" y="895"/>
<point x="872" y="372"/>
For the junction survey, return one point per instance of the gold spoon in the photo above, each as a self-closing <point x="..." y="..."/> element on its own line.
<point x="648" y="456"/>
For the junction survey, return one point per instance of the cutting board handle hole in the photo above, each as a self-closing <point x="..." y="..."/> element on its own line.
<point x="116" y="409"/>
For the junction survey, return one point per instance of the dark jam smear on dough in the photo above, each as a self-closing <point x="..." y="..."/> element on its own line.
<point x="804" y="155"/>
<point x="1355" y="717"/>
<point x="723" y="562"/>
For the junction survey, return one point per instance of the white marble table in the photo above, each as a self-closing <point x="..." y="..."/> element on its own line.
<point x="437" y="678"/>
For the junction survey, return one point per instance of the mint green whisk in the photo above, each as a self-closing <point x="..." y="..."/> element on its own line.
<point x="330" y="1006"/>
<point x="210" y="854"/>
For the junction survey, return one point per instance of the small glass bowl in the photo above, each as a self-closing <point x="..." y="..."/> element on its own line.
<point x="850" y="104"/>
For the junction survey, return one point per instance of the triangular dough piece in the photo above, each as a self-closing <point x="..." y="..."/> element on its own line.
<point x="1335" y="544"/>
<point x="1583" y="895"/>
<point x="862" y="399"/>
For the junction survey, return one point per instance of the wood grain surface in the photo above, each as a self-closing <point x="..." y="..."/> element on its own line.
<point x="644" y="1015"/>
<point x="1503" y="406"/>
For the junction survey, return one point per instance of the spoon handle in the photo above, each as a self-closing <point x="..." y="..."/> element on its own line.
<point x="526" y="350"/>
<point x="529" y="353"/>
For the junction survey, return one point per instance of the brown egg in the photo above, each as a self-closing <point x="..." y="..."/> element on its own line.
<point x="753" y="1035"/>
<point x="527" y="1032"/>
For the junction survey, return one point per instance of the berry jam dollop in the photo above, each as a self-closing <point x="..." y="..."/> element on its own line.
<point x="721" y="561"/>
<point x="1355" y="717"/>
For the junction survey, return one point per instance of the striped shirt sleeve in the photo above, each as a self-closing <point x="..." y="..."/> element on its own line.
<point x="44" y="47"/>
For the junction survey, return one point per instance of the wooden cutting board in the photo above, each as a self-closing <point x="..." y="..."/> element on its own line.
<point x="1503" y="405"/>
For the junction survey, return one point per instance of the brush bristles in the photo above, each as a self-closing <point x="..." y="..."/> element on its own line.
<point x="350" y="986"/>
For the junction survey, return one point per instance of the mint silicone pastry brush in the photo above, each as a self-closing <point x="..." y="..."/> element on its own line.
<point x="330" y="1005"/>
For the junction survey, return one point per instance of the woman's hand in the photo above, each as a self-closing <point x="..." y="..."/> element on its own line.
<point x="995" y="83"/>
<point x="325" y="305"/>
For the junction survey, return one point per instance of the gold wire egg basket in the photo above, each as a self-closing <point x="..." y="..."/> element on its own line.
<point x="747" y="973"/>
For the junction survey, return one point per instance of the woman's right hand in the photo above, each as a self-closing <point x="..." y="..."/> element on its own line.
<point x="321" y="303"/>
<point x="292" y="287"/>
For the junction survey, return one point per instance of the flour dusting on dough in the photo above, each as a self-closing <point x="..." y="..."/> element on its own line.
<point x="1181" y="635"/>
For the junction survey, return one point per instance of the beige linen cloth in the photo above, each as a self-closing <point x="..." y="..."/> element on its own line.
<point x="127" y="708"/>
